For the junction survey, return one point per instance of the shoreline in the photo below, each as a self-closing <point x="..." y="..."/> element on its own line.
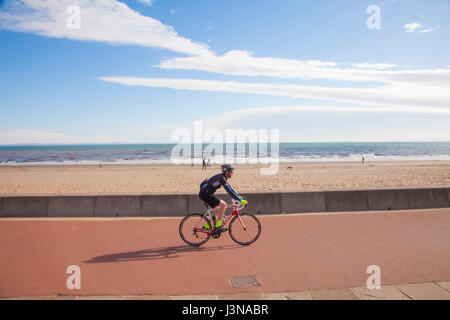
<point x="196" y="165"/>
<point x="199" y="162"/>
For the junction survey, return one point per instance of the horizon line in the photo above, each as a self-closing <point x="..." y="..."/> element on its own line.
<point x="161" y="143"/>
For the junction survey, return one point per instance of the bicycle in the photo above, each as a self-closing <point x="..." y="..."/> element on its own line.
<point x="244" y="233"/>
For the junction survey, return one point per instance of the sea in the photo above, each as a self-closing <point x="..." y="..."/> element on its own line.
<point x="243" y="153"/>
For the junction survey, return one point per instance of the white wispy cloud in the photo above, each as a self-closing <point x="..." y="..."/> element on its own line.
<point x="146" y="2"/>
<point x="107" y="21"/>
<point x="243" y="63"/>
<point x="412" y="27"/>
<point x="431" y="29"/>
<point x="412" y="96"/>
<point x="417" y="27"/>
<point x="374" y="66"/>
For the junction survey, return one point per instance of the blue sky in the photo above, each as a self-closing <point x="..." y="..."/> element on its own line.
<point x="137" y="70"/>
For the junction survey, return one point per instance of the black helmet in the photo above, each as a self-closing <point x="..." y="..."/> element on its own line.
<point x="227" y="167"/>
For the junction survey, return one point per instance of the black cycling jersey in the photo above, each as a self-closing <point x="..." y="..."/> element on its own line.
<point x="215" y="182"/>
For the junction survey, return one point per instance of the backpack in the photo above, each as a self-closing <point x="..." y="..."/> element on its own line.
<point x="204" y="182"/>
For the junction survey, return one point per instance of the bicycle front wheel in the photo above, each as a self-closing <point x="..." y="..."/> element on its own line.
<point x="191" y="229"/>
<point x="245" y="229"/>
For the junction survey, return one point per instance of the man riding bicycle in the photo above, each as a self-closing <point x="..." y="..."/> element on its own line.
<point x="209" y="187"/>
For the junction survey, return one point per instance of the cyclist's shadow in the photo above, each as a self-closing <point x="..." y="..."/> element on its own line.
<point x="157" y="253"/>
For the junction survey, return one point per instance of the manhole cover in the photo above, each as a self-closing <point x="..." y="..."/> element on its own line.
<point x="245" y="281"/>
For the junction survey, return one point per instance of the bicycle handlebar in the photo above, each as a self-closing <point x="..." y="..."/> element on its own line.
<point x="237" y="203"/>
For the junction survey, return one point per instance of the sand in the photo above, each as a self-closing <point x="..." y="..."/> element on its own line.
<point x="146" y="179"/>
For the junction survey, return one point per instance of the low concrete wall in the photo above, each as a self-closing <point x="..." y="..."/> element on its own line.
<point x="347" y="200"/>
<point x="161" y="205"/>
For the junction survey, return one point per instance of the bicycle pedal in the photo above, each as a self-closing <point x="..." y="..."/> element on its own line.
<point x="220" y="230"/>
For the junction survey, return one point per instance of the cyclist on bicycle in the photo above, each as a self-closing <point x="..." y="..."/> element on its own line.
<point x="209" y="186"/>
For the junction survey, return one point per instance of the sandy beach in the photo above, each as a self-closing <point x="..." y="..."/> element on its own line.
<point x="145" y="179"/>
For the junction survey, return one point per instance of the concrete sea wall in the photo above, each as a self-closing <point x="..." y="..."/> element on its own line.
<point x="159" y="205"/>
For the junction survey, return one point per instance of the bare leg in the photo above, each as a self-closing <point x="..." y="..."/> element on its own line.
<point x="220" y="210"/>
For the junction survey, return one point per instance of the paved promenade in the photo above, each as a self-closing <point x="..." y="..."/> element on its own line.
<point x="304" y="256"/>
<point x="409" y="291"/>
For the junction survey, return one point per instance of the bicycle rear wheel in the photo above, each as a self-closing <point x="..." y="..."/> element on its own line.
<point x="191" y="229"/>
<point x="247" y="231"/>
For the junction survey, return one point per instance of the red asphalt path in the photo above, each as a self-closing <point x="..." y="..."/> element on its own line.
<point x="294" y="253"/>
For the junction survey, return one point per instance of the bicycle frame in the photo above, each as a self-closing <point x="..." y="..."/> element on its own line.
<point x="208" y="212"/>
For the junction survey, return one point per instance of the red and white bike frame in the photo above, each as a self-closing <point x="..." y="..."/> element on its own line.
<point x="236" y="205"/>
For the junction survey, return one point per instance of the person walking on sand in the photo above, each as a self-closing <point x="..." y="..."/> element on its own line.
<point x="203" y="164"/>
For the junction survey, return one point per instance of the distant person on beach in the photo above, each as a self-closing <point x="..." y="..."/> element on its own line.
<point x="203" y="164"/>
<point x="209" y="162"/>
<point x="209" y="186"/>
<point x="363" y="159"/>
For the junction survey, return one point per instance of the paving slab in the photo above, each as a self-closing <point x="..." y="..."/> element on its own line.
<point x="444" y="285"/>
<point x="275" y="296"/>
<point x="146" y="297"/>
<point x="98" y="298"/>
<point x="42" y="298"/>
<point x="384" y="293"/>
<point x="194" y="297"/>
<point x="241" y="296"/>
<point x="334" y="294"/>
<point x="424" y="291"/>
<point x="300" y="295"/>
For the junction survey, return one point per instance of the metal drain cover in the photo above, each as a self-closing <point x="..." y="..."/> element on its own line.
<point x="245" y="281"/>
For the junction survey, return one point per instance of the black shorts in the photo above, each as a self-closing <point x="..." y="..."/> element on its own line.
<point x="209" y="198"/>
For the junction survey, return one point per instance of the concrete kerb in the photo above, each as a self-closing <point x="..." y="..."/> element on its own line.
<point x="71" y="206"/>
